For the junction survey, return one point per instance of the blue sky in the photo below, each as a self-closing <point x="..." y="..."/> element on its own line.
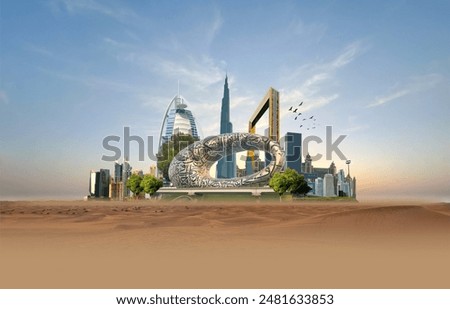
<point x="73" y="72"/>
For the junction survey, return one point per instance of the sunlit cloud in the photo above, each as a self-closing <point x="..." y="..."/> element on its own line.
<point x="295" y="97"/>
<point x="354" y="125"/>
<point x="320" y="70"/>
<point x="356" y="128"/>
<point x="414" y="85"/>
<point x="312" y="80"/>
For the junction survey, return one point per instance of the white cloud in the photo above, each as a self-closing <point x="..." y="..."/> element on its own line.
<point x="215" y="27"/>
<point x="322" y="70"/>
<point x="238" y="101"/>
<point x="315" y="79"/>
<point x="348" y="55"/>
<point x="313" y="31"/>
<point x="121" y="14"/>
<point x="392" y="96"/>
<point x="312" y="78"/>
<point x="4" y="98"/>
<point x="294" y="97"/>
<point x="354" y="125"/>
<point x="198" y="73"/>
<point x="414" y="85"/>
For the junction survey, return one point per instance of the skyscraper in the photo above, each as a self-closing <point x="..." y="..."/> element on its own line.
<point x="226" y="167"/>
<point x="100" y="183"/>
<point x="318" y="186"/>
<point x="92" y="183"/>
<point x="126" y="173"/>
<point x="293" y="151"/>
<point x="328" y="185"/>
<point x="117" y="172"/>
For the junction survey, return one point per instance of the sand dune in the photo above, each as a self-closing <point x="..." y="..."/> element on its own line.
<point x="410" y="218"/>
<point x="148" y="244"/>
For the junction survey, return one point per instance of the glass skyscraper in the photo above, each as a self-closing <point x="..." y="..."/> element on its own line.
<point x="293" y="150"/>
<point x="226" y="167"/>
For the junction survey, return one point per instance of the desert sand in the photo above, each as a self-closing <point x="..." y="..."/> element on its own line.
<point x="154" y="244"/>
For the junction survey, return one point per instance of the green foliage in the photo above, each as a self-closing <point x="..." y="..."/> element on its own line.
<point x="279" y="183"/>
<point x="289" y="181"/>
<point x="170" y="149"/>
<point x="134" y="184"/>
<point x="302" y="188"/>
<point x="151" y="184"/>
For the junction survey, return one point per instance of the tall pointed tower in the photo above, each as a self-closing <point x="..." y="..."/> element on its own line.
<point x="226" y="167"/>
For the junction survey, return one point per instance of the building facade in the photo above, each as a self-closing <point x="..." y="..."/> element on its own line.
<point x="292" y="144"/>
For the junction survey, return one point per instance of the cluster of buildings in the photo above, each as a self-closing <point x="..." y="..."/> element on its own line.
<point x="180" y="120"/>
<point x="104" y="185"/>
<point x="329" y="181"/>
<point x="324" y="181"/>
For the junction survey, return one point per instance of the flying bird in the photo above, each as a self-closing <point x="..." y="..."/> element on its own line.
<point x="301" y="125"/>
<point x="290" y="108"/>
<point x="300" y="104"/>
<point x="311" y="117"/>
<point x="295" y="117"/>
<point x="295" y="110"/>
<point x="304" y="119"/>
<point x="299" y="114"/>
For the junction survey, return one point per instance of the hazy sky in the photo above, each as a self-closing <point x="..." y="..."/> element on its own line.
<point x="76" y="71"/>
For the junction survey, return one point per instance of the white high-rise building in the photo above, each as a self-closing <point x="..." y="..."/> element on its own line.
<point x="92" y="183"/>
<point x="328" y="185"/>
<point x="319" y="186"/>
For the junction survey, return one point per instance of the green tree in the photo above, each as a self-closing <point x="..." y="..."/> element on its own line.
<point x="151" y="184"/>
<point x="134" y="184"/>
<point x="289" y="181"/>
<point x="279" y="183"/>
<point x="302" y="187"/>
<point x="170" y="149"/>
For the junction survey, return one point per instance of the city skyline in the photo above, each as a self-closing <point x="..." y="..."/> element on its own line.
<point x="74" y="72"/>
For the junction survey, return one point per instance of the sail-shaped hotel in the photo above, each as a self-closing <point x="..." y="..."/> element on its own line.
<point x="177" y="120"/>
